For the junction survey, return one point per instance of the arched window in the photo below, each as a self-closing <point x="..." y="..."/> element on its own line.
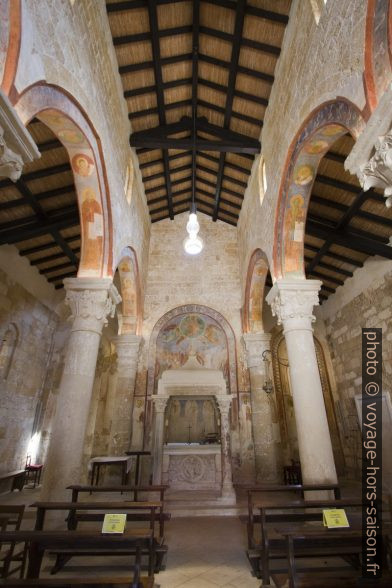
<point x="317" y="7"/>
<point x="8" y="345"/>
<point x="262" y="179"/>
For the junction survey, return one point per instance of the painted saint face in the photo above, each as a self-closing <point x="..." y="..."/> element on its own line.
<point x="303" y="175"/>
<point x="70" y="136"/>
<point x="82" y="165"/>
<point x="317" y="146"/>
<point x="332" y="130"/>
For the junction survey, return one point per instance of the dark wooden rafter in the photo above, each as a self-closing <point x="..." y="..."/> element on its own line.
<point x="195" y="77"/>
<point x="156" y="54"/>
<point x="235" y="54"/>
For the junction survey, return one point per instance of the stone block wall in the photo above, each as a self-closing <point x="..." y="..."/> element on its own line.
<point x="22" y="384"/>
<point x="365" y="300"/>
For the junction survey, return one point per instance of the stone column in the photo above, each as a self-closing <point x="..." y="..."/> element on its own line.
<point x="228" y="494"/>
<point x="263" y="412"/>
<point x="292" y="302"/>
<point x="158" y="433"/>
<point x="127" y="347"/>
<point x="91" y="300"/>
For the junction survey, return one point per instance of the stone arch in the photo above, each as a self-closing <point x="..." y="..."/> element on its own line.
<point x="378" y="51"/>
<point x="9" y="342"/>
<point x="194" y="309"/>
<point x="252" y="316"/>
<point x="10" y="42"/>
<point x="131" y="293"/>
<point x="62" y="114"/>
<point x="325" y="125"/>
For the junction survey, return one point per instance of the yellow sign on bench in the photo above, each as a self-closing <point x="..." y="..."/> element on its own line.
<point x="114" y="523"/>
<point x="335" y="518"/>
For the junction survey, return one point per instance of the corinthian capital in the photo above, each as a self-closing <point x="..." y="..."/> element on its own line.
<point x="224" y="403"/>
<point x="11" y="164"/>
<point x="159" y="402"/>
<point x="294" y="300"/>
<point x="255" y="345"/>
<point x="91" y="301"/>
<point x="377" y="172"/>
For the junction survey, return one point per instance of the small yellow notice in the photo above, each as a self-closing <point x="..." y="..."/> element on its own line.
<point x="335" y="518"/>
<point x="114" y="523"/>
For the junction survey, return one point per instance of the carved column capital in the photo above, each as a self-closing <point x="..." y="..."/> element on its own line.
<point x="16" y="144"/>
<point x="159" y="403"/>
<point x="255" y="345"/>
<point x="377" y="172"/>
<point x="292" y="302"/>
<point x="127" y="348"/>
<point x="224" y="403"/>
<point x="91" y="301"/>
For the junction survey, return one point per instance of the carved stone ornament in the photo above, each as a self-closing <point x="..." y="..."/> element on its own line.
<point x="91" y="302"/>
<point x="291" y="299"/>
<point x="224" y="403"/>
<point x="255" y="345"/>
<point x="11" y="164"/>
<point x="377" y="173"/>
<point x="159" y="403"/>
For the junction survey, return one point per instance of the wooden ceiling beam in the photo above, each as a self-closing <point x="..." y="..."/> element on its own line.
<point x="49" y="258"/>
<point x="238" y="93"/>
<point x="213" y="184"/>
<point x="172" y="59"/>
<point x="38" y="229"/>
<point x="322" y="276"/>
<point x="260" y="75"/>
<point x="332" y="156"/>
<point x="224" y="200"/>
<point x="245" y="146"/>
<point x="56" y="268"/>
<point x="212" y="172"/>
<point x="151" y="89"/>
<point x="160" y="160"/>
<point x="174" y="194"/>
<point x="160" y="34"/>
<point x="234" y="60"/>
<point x="332" y="268"/>
<point x="337" y="256"/>
<point x="228" y="164"/>
<point x="154" y="110"/>
<point x="370" y="194"/>
<point x="62" y="276"/>
<point x="162" y="174"/>
<point x="244" y="117"/>
<point x="49" y="145"/>
<point x="39" y="174"/>
<point x="264" y="47"/>
<point x="163" y="186"/>
<point x="369" y="216"/>
<point x="46" y="246"/>
<point x="156" y="56"/>
<point x="326" y="222"/>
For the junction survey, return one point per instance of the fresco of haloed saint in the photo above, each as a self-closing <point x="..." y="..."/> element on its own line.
<point x="191" y="334"/>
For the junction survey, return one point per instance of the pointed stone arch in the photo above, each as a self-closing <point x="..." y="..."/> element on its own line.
<point x="325" y="125"/>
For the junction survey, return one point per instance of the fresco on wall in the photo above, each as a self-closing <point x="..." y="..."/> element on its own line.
<point x="189" y="420"/>
<point x="191" y="334"/>
<point x="256" y="297"/>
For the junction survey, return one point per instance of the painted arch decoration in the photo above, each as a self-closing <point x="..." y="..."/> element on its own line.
<point x="254" y="293"/>
<point x="131" y="309"/>
<point x="324" y="126"/>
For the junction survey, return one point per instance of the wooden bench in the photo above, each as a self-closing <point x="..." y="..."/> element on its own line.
<point x="129" y="543"/>
<point x="157" y="489"/>
<point x="84" y="512"/>
<point x="11" y="516"/>
<point x="251" y="490"/>
<point x="272" y="544"/>
<point x="91" y="582"/>
<point x="301" y="542"/>
<point x="17" y="477"/>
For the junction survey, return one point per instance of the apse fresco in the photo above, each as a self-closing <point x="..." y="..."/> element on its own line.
<point x="87" y="187"/>
<point x="192" y="334"/>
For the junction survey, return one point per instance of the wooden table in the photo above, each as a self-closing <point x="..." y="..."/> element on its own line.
<point x="137" y="454"/>
<point x="124" y="462"/>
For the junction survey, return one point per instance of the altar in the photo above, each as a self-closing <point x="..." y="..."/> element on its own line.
<point x="192" y="466"/>
<point x="192" y="407"/>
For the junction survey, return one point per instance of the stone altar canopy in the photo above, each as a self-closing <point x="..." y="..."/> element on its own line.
<point x="195" y="466"/>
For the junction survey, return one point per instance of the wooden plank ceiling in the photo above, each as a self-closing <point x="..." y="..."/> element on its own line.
<point x="197" y="76"/>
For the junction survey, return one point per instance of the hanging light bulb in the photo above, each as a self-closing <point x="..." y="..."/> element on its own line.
<point x="193" y="244"/>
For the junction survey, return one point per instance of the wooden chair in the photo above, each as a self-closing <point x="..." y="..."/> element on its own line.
<point x="34" y="470"/>
<point x="10" y="519"/>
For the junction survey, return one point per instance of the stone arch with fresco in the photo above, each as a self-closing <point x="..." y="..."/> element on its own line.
<point x="216" y="330"/>
<point x="284" y="401"/>
<point x="322" y="128"/>
<point x="252" y="315"/>
<point x="56" y="109"/>
<point x="131" y="293"/>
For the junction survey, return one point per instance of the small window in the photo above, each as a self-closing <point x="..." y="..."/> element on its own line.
<point x="9" y="341"/>
<point x="128" y="184"/>
<point x="262" y="179"/>
<point x="317" y="7"/>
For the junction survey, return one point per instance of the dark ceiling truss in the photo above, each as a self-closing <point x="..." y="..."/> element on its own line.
<point x="193" y="90"/>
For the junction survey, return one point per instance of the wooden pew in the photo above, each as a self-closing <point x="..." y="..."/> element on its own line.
<point x="11" y="516"/>
<point x="89" y="582"/>
<point x="129" y="543"/>
<point x="252" y="489"/>
<point x="17" y="477"/>
<point x="273" y="514"/>
<point x="300" y="542"/>
<point x="158" y="489"/>
<point x="80" y="512"/>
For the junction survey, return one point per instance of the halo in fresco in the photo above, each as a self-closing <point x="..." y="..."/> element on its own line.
<point x="317" y="146"/>
<point x="303" y="175"/>
<point x="192" y="326"/>
<point x="71" y="136"/>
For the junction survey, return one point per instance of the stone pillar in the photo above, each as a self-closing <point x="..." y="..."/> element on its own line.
<point x="263" y="412"/>
<point x="157" y="440"/>
<point x="91" y="301"/>
<point x="228" y="494"/>
<point x="292" y="302"/>
<point x="127" y="347"/>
